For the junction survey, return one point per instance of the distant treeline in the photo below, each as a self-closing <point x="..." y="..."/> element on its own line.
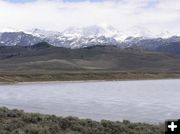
<point x="19" y="122"/>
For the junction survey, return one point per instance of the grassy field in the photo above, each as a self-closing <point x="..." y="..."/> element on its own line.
<point x="19" y="122"/>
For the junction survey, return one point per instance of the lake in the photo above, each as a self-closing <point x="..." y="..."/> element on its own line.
<point x="149" y="101"/>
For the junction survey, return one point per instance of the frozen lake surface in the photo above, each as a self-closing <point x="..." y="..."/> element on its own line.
<point x="147" y="100"/>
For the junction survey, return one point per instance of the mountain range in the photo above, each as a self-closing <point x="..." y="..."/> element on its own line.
<point x="75" y="37"/>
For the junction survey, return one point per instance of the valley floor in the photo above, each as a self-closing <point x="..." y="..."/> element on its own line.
<point x="19" y="122"/>
<point x="84" y="75"/>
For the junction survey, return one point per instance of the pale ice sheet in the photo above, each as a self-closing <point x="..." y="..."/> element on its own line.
<point x="147" y="100"/>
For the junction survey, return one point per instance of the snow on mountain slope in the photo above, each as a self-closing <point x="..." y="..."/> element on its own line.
<point x="43" y="33"/>
<point x="90" y="36"/>
<point x="18" y="38"/>
<point x="93" y="31"/>
<point x="78" y="37"/>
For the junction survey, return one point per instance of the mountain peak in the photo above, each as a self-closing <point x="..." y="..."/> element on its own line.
<point x="42" y="33"/>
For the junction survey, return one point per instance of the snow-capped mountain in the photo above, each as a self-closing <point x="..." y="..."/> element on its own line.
<point x="76" y="37"/>
<point x="79" y="37"/>
<point x="18" y="39"/>
<point x="43" y="33"/>
<point x="94" y="31"/>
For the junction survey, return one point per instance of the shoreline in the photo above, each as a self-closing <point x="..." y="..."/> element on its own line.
<point x="81" y="81"/>
<point x="86" y="76"/>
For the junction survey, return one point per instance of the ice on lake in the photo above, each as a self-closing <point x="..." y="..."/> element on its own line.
<point x="144" y="100"/>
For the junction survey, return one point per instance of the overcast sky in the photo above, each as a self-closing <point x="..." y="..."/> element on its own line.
<point x="155" y="15"/>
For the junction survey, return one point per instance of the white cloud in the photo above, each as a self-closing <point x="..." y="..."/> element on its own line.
<point x="155" y="15"/>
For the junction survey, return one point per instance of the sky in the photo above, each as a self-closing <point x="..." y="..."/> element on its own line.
<point x="154" y="15"/>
